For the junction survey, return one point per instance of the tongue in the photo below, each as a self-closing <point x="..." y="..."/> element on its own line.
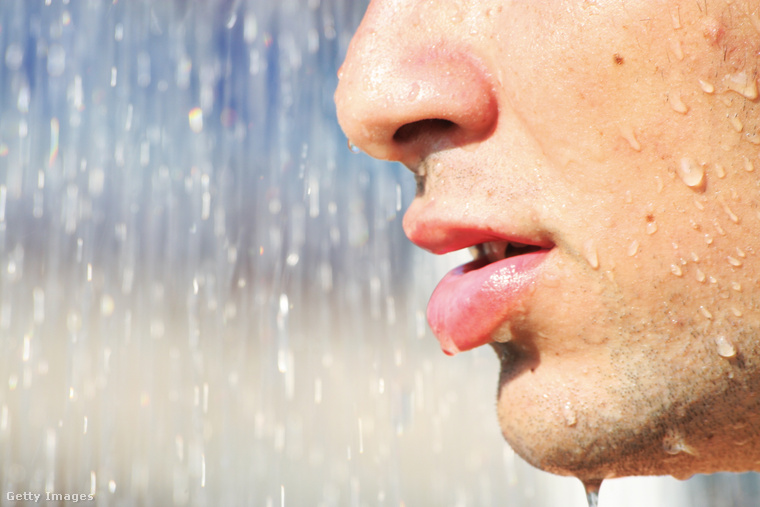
<point x="472" y="301"/>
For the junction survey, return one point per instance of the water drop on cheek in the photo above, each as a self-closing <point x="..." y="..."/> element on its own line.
<point x="651" y="227"/>
<point x="705" y="312"/>
<point x="725" y="347"/>
<point x="677" y="49"/>
<point x="674" y="99"/>
<point x="748" y="165"/>
<point x="676" y="270"/>
<point x="700" y="275"/>
<point x="629" y="135"/>
<point x="633" y="248"/>
<point x="734" y="261"/>
<point x="590" y="253"/>
<point x="706" y="86"/>
<point x="720" y="171"/>
<point x="569" y="415"/>
<point x="742" y="84"/>
<point x="674" y="443"/>
<point x="690" y="172"/>
<point x="736" y="123"/>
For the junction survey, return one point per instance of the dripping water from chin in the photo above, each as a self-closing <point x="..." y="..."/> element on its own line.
<point x="592" y="491"/>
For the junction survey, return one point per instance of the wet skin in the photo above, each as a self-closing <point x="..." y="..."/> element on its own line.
<point x="626" y="137"/>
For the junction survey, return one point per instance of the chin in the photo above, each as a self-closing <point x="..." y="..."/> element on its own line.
<point x="616" y="433"/>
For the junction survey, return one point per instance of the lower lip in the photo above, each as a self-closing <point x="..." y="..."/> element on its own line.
<point x="474" y="300"/>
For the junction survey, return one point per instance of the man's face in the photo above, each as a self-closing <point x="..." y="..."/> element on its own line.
<point x="621" y="140"/>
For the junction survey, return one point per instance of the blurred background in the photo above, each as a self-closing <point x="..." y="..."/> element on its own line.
<point x="207" y="300"/>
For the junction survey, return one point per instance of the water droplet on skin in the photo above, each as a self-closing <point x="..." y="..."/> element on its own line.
<point x="704" y="311"/>
<point x="708" y="239"/>
<point x="651" y="227"/>
<point x="675" y="15"/>
<point x="736" y="312"/>
<point x="742" y="84"/>
<point x="694" y="257"/>
<point x="731" y="215"/>
<point x="674" y="443"/>
<point x="736" y="286"/>
<point x="712" y="279"/>
<point x="741" y="253"/>
<point x="700" y="275"/>
<point x="748" y="165"/>
<point x="719" y="228"/>
<point x="354" y="149"/>
<point x="720" y="171"/>
<point x="413" y="92"/>
<point x="589" y="252"/>
<point x="630" y="136"/>
<point x="736" y="123"/>
<point x="675" y="46"/>
<point x="676" y="103"/>
<point x="725" y="347"/>
<point x="633" y="248"/>
<point x="734" y="261"/>
<point x="660" y="185"/>
<point x="690" y="172"/>
<point x="698" y="204"/>
<point x="706" y="86"/>
<point x="569" y="415"/>
<point x="676" y="270"/>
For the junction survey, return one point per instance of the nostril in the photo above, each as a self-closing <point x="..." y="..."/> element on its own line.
<point x="414" y="130"/>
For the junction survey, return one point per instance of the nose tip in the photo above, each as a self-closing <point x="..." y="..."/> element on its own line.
<point x="401" y="98"/>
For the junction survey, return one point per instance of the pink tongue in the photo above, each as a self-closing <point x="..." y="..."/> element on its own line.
<point x="473" y="300"/>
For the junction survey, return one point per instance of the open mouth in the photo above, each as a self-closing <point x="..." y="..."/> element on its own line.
<point x="474" y="300"/>
<point x="495" y="251"/>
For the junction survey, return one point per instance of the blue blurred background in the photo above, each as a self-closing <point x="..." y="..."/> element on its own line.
<point x="207" y="300"/>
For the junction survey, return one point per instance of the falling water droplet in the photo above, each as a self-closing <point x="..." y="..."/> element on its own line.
<point x="592" y="491"/>
<point x="725" y="347"/>
<point x="590" y="253"/>
<point x="354" y="149"/>
<point x="691" y="173"/>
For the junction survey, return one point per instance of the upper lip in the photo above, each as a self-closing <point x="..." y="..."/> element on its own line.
<point x="441" y="235"/>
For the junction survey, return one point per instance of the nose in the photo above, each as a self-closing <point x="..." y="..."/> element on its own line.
<point x="412" y="84"/>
